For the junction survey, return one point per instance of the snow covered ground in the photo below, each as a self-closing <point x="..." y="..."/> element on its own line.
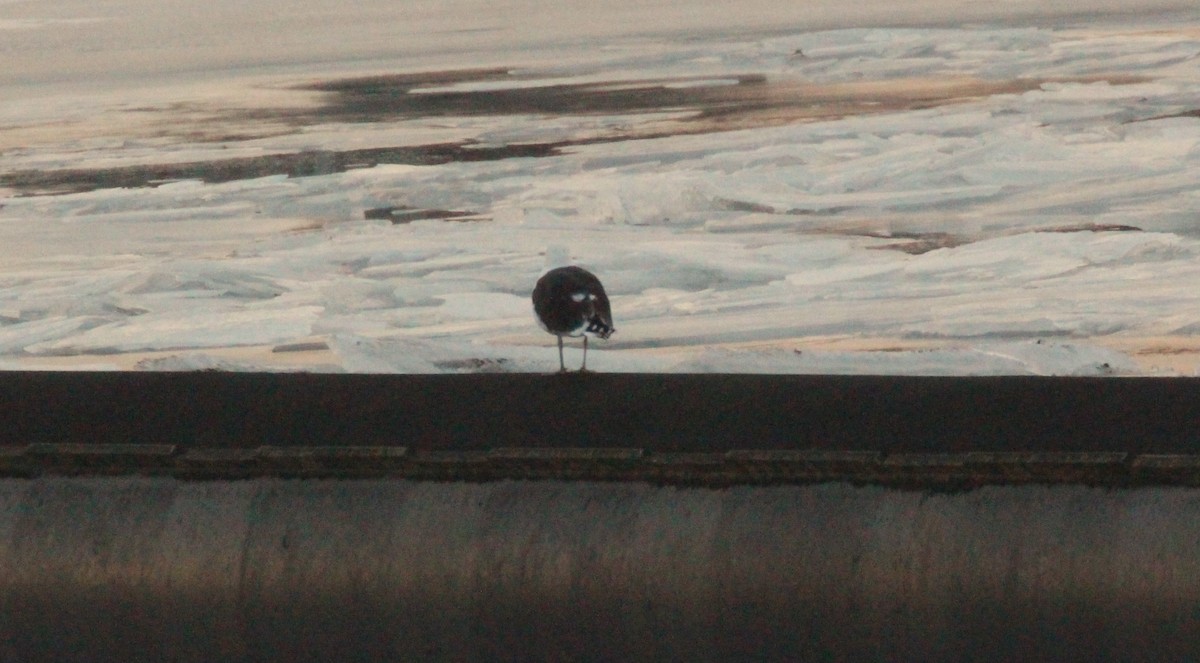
<point x="872" y="193"/>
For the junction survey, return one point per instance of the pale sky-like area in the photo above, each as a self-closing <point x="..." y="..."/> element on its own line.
<point x="88" y="44"/>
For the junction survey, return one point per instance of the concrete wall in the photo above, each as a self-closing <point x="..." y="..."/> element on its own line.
<point x="160" y="569"/>
<point x="702" y="412"/>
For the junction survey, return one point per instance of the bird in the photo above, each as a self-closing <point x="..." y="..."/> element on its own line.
<point x="570" y="301"/>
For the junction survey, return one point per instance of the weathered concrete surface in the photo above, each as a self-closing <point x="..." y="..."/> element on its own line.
<point x="157" y="569"/>
<point x="938" y="472"/>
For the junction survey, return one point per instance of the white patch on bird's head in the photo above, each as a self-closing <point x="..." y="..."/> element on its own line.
<point x="582" y="295"/>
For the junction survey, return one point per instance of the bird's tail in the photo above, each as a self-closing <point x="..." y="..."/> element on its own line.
<point x="600" y="327"/>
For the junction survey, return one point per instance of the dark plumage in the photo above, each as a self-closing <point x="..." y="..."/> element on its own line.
<point x="570" y="301"/>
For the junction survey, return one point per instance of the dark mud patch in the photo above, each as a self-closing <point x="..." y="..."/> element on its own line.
<point x="714" y="103"/>
<point x="295" y="164"/>
<point x="911" y="242"/>
<point x="1167" y="350"/>
<point x="681" y="106"/>
<point x="1091" y="228"/>
<point x="1172" y="116"/>
<point x="402" y="214"/>
<point x="734" y="205"/>
<point x="917" y="243"/>
<point x="406" y="96"/>
<point x="304" y="346"/>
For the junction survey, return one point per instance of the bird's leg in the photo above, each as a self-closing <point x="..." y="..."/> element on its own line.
<point x="562" y="367"/>
<point x="584" y="367"/>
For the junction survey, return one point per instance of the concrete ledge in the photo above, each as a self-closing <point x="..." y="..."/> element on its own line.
<point x="740" y="467"/>
<point x="706" y="430"/>
<point x="564" y="454"/>
<point x="942" y="461"/>
<point x="1161" y="462"/>
<point x="676" y="413"/>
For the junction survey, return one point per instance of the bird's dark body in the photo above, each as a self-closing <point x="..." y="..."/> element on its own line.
<point x="570" y="301"/>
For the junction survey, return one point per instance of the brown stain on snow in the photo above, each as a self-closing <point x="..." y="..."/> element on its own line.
<point x="676" y="106"/>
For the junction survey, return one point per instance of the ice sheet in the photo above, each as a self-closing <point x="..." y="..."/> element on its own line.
<point x="1013" y="197"/>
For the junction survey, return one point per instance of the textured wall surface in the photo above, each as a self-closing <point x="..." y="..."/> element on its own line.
<point x="160" y="569"/>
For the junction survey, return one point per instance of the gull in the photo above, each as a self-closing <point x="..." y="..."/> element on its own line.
<point x="570" y="301"/>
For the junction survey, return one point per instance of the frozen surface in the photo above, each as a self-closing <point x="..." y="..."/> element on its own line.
<point x="910" y="197"/>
